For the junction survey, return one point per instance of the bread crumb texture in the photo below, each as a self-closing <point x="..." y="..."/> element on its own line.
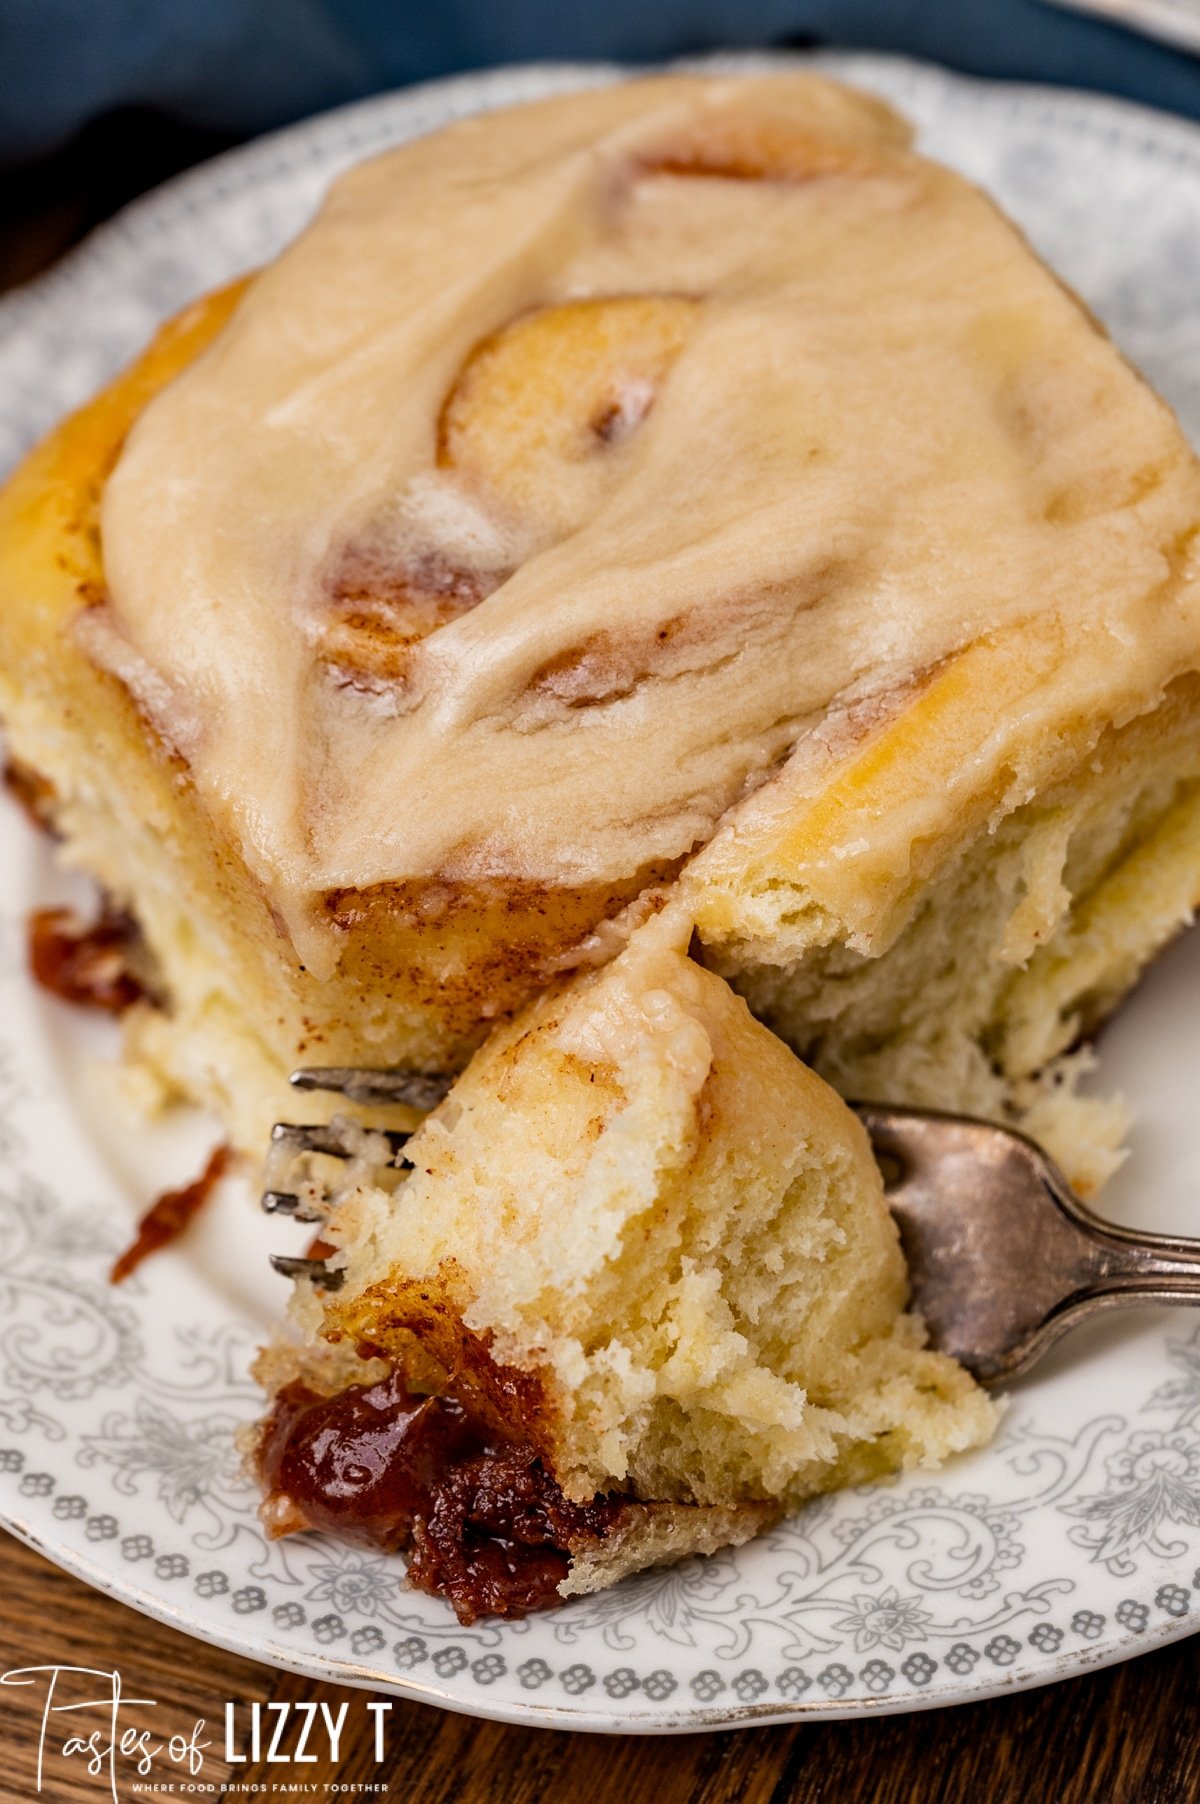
<point x="642" y="1225"/>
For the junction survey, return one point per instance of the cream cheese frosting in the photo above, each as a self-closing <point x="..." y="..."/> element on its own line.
<point x="864" y="429"/>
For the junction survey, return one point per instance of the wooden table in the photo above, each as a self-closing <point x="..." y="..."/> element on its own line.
<point x="1124" y="1736"/>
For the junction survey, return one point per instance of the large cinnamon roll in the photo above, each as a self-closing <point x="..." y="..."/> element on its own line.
<point x="676" y="497"/>
<point x="682" y="476"/>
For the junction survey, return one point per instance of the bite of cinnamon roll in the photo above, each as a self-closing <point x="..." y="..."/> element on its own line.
<point x="636" y="1292"/>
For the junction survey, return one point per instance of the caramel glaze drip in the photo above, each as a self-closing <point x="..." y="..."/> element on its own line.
<point x="85" y="964"/>
<point x="34" y="794"/>
<point x="486" y="1525"/>
<point x="165" y="1219"/>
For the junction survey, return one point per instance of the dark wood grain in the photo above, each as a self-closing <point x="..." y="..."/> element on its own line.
<point x="1123" y="1736"/>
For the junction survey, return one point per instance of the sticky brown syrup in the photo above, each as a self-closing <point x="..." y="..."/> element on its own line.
<point x="487" y="1527"/>
<point x="34" y="794"/>
<point x="87" y="964"/>
<point x="165" y="1219"/>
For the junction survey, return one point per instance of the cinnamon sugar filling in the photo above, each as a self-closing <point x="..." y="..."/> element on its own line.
<point x="89" y="964"/>
<point x="485" y="1524"/>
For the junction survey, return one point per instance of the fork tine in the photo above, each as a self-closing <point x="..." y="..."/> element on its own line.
<point x="293" y="1139"/>
<point x="316" y="1270"/>
<point x="329" y="1138"/>
<point x="417" y="1089"/>
<point x="286" y="1202"/>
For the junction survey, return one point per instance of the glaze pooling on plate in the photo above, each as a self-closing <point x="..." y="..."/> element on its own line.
<point x="1072" y="1541"/>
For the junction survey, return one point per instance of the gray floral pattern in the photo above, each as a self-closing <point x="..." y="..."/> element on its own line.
<point x="1075" y="1537"/>
<point x="1153" y="1482"/>
<point x="884" y="1619"/>
<point x="189" y="1463"/>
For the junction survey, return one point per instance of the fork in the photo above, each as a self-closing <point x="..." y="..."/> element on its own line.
<point x="1003" y="1258"/>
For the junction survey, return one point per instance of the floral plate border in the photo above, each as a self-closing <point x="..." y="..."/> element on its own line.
<point x="1073" y="1541"/>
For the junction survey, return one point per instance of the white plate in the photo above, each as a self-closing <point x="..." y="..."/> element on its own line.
<point x="1073" y="1541"/>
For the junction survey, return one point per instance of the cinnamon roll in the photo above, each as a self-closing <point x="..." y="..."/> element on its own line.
<point x="661" y="539"/>
<point x="682" y="480"/>
<point x="637" y="1292"/>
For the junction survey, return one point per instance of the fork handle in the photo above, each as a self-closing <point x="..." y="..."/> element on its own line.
<point x="1003" y="1257"/>
<point x="1143" y="1267"/>
<point x="1118" y="1269"/>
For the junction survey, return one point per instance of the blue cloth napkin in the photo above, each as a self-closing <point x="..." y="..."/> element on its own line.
<point x="246" y="65"/>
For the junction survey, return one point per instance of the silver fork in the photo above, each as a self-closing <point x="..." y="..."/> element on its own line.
<point x="1003" y="1258"/>
<point x="413" y="1089"/>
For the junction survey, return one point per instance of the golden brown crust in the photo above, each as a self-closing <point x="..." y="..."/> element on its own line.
<point x="419" y="1327"/>
<point x="660" y="1534"/>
